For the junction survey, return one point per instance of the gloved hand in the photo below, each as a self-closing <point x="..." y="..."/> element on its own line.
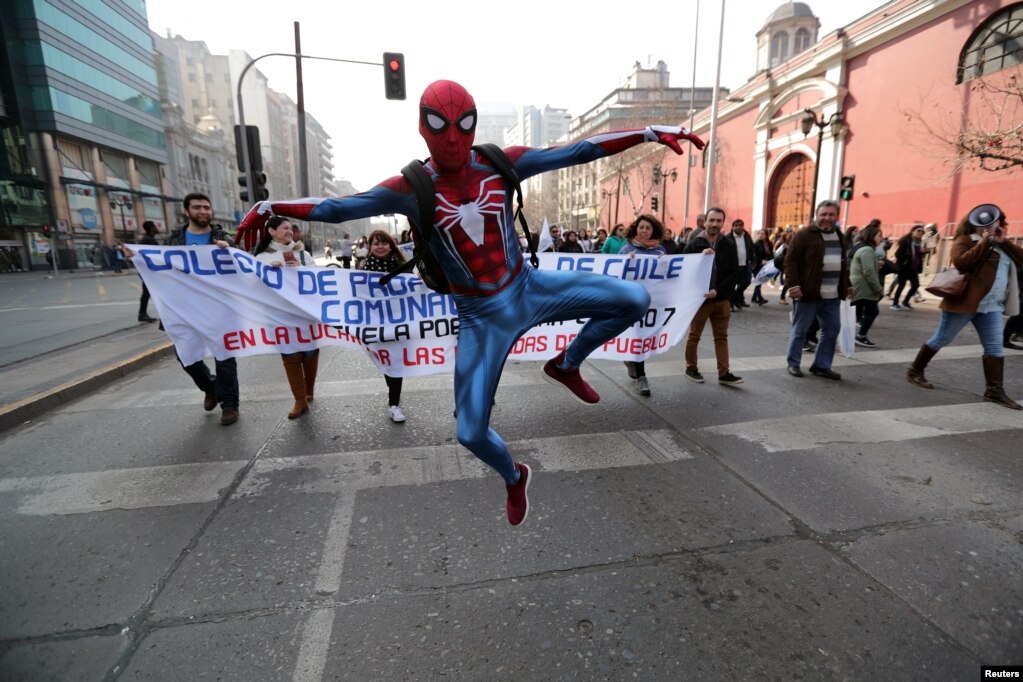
<point x="670" y="135"/>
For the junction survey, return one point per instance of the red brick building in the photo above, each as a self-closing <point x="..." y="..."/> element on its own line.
<point x="900" y="78"/>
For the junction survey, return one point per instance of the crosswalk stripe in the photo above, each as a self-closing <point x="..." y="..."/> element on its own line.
<point x="806" y="432"/>
<point x="139" y="488"/>
<point x="163" y="486"/>
<point x="514" y="376"/>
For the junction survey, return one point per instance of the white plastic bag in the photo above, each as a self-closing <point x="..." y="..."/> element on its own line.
<point x="847" y="335"/>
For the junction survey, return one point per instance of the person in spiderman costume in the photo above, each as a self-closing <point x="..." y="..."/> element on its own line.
<point x="475" y="244"/>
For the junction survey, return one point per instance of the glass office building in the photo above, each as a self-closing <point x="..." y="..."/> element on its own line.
<point x="83" y="136"/>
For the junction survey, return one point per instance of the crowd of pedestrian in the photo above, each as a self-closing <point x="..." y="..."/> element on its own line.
<point x="817" y="267"/>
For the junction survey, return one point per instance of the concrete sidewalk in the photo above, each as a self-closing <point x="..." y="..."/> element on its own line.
<point x="33" y="386"/>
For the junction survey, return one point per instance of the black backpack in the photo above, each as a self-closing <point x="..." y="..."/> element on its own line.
<point x="422" y="184"/>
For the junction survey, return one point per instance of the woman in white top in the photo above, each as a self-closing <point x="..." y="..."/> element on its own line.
<point x="278" y="249"/>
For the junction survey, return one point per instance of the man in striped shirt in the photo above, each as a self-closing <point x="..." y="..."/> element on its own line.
<point x="817" y="272"/>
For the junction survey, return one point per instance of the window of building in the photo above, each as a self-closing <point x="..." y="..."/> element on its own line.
<point x="191" y="76"/>
<point x="117" y="167"/>
<point x="779" y="48"/>
<point x="801" y="41"/>
<point x="75" y="163"/>
<point x="996" y="44"/>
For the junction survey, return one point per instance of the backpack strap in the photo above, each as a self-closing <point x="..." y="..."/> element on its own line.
<point x="422" y="185"/>
<point x="499" y="160"/>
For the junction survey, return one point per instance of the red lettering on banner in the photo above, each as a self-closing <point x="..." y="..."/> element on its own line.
<point x="637" y="346"/>
<point x="383" y="356"/>
<point x="282" y="335"/>
<point x="561" y="341"/>
<point x="530" y="344"/>
<point x="423" y="356"/>
<point x="267" y="341"/>
<point x="299" y="337"/>
<point x="232" y="341"/>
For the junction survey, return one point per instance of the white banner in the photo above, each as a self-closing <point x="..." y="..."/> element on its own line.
<point x="225" y="303"/>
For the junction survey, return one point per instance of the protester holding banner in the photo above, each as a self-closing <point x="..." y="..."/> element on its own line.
<point x="643" y="237"/>
<point x="384" y="256"/>
<point x="278" y="249"/>
<point x="222" y="388"/>
<point x="717" y="306"/>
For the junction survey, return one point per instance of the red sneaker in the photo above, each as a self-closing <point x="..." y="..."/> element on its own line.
<point x="518" y="504"/>
<point x="570" y="379"/>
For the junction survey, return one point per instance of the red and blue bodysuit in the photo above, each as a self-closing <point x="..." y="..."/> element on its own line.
<point x="475" y="243"/>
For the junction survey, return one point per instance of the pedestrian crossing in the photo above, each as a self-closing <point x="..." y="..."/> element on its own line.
<point x="163" y="486"/>
<point x="812" y="431"/>
<point x="514" y="376"/>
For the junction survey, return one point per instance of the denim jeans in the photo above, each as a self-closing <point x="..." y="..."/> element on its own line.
<point x="224" y="385"/>
<point x="867" y="311"/>
<point x="803" y="315"/>
<point x="988" y="326"/>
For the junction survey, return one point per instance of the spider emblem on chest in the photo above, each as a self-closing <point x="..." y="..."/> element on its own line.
<point x="471" y="217"/>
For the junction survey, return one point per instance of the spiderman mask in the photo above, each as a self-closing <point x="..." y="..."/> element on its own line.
<point x="447" y="121"/>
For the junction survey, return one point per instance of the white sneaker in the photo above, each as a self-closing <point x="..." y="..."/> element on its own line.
<point x="397" y="416"/>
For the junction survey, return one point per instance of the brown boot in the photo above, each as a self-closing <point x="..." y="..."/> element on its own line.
<point x="994" y="369"/>
<point x="915" y="373"/>
<point x="310" y="365"/>
<point x="296" y="380"/>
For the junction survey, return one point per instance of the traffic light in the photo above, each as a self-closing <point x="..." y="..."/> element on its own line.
<point x="394" y="75"/>
<point x="848" y="184"/>
<point x="259" y="189"/>
<point x="259" y="193"/>
<point x="654" y="202"/>
<point x="254" y="149"/>
<point x="46" y="231"/>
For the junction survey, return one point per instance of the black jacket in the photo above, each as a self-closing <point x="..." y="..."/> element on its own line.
<point x="750" y="256"/>
<point x="726" y="264"/>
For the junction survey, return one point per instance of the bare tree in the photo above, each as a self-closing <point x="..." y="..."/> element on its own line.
<point x="989" y="136"/>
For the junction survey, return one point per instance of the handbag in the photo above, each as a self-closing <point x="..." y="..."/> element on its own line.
<point x="949" y="283"/>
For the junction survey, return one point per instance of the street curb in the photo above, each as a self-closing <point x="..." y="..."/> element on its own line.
<point x="25" y="409"/>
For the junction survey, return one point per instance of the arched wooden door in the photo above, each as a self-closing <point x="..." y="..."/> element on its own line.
<point x="791" y="191"/>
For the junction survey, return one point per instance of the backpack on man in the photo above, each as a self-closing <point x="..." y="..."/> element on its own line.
<point x="422" y="184"/>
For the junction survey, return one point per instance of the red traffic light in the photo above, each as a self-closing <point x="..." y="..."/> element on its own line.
<point x="394" y="75"/>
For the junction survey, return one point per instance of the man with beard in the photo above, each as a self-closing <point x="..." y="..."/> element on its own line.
<point x="222" y="388"/>
<point x="717" y="300"/>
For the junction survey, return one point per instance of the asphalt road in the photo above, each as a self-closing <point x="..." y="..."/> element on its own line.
<point x="785" y="528"/>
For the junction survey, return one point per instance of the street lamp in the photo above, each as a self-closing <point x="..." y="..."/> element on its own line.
<point x="607" y="194"/>
<point x="661" y="176"/>
<point x="807" y="124"/>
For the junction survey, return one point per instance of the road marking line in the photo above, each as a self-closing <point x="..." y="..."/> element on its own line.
<point x="337" y="473"/>
<point x="139" y="488"/>
<point x="514" y="376"/>
<point x="312" y="654"/>
<point x="806" y="432"/>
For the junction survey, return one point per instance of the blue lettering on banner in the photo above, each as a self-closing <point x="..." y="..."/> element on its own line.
<point x="245" y="262"/>
<point x="222" y="262"/>
<point x="152" y="264"/>
<point x="387" y="311"/>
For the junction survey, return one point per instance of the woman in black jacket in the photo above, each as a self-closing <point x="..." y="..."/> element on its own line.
<point x="909" y="259"/>
<point x="385" y="256"/>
